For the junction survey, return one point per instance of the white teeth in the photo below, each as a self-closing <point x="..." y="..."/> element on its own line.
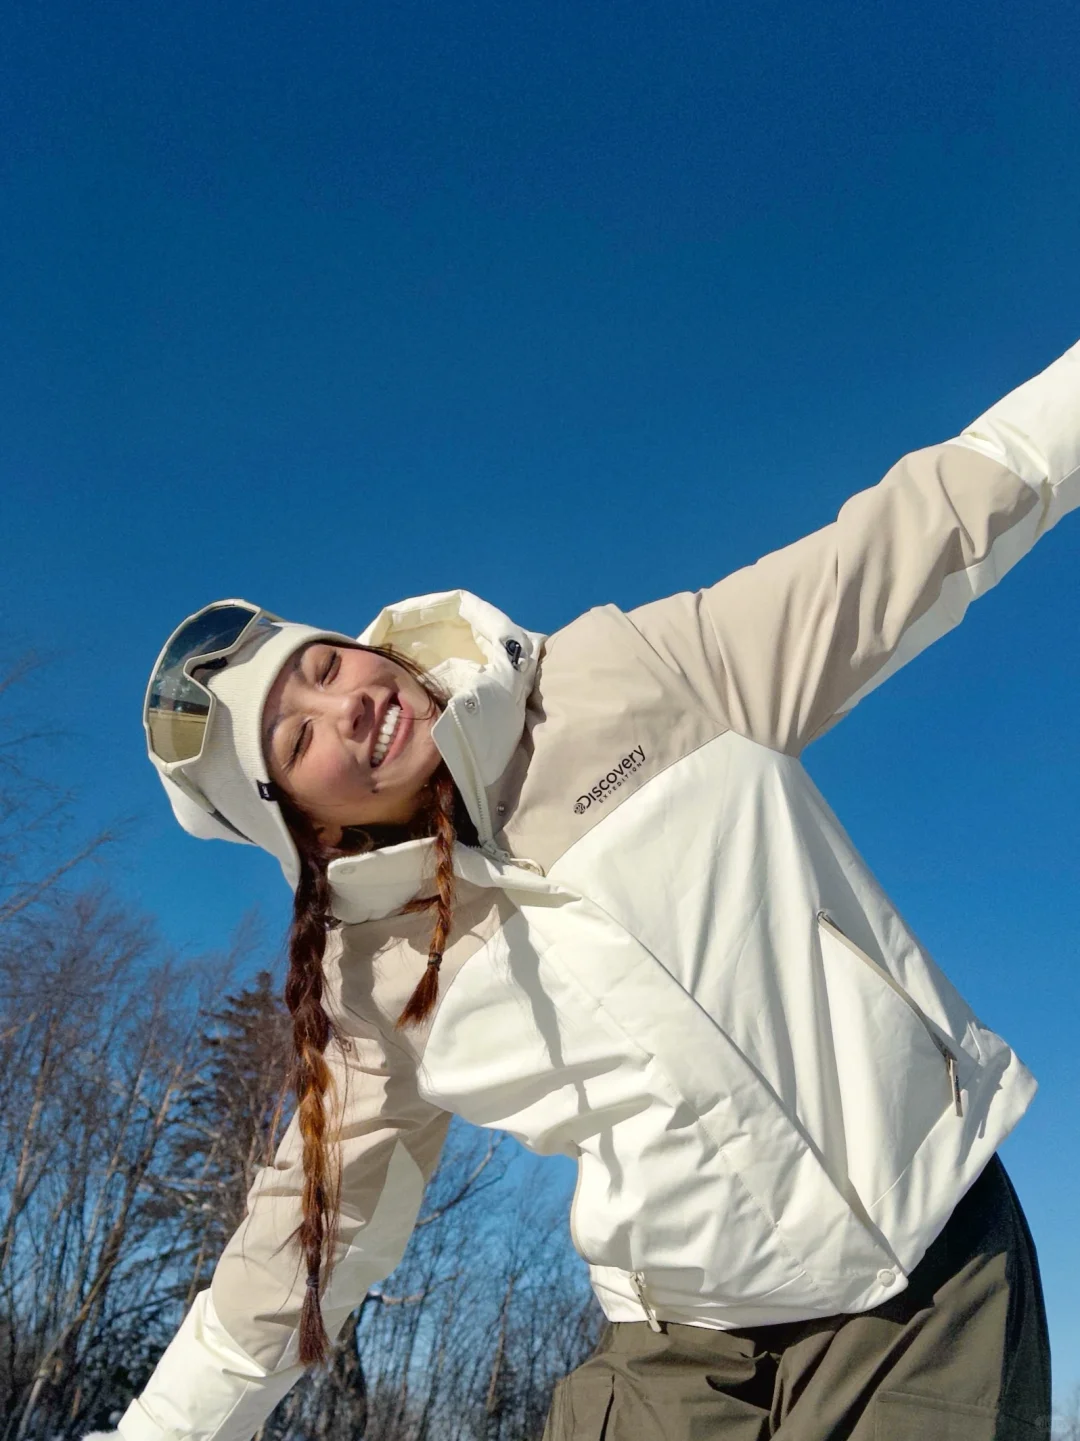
<point x="386" y="733"/>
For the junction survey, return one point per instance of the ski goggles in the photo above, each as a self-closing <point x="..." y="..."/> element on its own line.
<point x="179" y="707"/>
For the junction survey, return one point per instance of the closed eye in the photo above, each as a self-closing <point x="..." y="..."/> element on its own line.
<point x="299" y="745"/>
<point x="330" y="669"/>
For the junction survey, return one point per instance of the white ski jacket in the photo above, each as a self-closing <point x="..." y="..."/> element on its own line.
<point x="669" y="961"/>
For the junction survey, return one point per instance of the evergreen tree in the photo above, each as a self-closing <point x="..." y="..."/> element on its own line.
<point x="231" y="1120"/>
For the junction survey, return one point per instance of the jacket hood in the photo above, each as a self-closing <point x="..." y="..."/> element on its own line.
<point x="487" y="666"/>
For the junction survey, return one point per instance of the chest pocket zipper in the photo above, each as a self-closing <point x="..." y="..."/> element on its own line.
<point x="947" y="1054"/>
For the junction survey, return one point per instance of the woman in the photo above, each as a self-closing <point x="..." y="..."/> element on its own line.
<point x="581" y="889"/>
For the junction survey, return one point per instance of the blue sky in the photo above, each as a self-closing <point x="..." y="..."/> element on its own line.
<point x="565" y="304"/>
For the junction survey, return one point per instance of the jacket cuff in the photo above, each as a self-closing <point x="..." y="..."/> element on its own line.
<point x="1034" y="431"/>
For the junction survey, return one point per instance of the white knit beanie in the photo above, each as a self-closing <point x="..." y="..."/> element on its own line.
<point x="232" y="772"/>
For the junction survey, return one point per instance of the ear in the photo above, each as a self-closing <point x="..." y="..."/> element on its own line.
<point x="329" y="836"/>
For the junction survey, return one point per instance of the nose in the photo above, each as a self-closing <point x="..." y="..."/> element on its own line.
<point x="344" y="711"/>
<point x="350" y="713"/>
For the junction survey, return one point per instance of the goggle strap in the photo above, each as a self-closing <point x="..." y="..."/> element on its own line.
<point x="216" y="663"/>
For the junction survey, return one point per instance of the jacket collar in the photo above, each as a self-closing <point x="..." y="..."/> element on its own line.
<point x="487" y="665"/>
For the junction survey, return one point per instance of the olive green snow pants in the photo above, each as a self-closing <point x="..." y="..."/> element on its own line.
<point x="961" y="1355"/>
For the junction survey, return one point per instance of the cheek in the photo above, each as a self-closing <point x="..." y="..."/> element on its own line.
<point x="329" y="773"/>
<point x="427" y="756"/>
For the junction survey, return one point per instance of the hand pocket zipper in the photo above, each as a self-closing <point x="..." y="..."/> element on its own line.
<point x="947" y="1054"/>
<point x="637" y="1280"/>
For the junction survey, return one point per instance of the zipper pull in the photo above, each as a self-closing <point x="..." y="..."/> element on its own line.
<point x="637" y="1280"/>
<point x="954" y="1083"/>
<point x="496" y="853"/>
<point x="527" y="865"/>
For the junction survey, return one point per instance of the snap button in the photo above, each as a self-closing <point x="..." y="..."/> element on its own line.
<point x="886" y="1277"/>
<point x="469" y="702"/>
<point x="500" y="809"/>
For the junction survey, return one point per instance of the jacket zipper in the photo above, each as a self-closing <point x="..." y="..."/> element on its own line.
<point x="485" y="830"/>
<point x="637" y="1280"/>
<point x="478" y="796"/>
<point x="948" y="1055"/>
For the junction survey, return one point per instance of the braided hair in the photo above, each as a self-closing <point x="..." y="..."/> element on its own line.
<point x="441" y="815"/>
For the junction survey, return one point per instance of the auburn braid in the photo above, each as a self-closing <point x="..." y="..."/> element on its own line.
<point x="311" y="1079"/>
<point x="422" y="1001"/>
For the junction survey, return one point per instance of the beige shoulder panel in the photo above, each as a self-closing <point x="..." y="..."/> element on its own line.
<point x="783" y="648"/>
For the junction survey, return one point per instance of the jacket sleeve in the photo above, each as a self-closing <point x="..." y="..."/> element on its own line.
<point x="236" y="1353"/>
<point x="788" y="646"/>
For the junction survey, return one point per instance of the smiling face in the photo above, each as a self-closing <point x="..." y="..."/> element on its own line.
<point x="347" y="735"/>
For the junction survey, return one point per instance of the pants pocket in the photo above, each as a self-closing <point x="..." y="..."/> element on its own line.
<point x="580" y="1405"/>
<point x="900" y="1416"/>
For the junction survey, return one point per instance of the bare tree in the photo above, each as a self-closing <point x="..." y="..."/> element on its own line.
<point x="33" y="812"/>
<point x="96" y="1048"/>
<point x="100" y="1049"/>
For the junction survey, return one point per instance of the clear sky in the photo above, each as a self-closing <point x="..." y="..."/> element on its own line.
<point x="325" y="305"/>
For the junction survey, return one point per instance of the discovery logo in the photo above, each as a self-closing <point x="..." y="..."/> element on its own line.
<point x="611" y="782"/>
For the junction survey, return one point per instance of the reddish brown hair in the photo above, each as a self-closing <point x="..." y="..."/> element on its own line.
<point x="441" y="814"/>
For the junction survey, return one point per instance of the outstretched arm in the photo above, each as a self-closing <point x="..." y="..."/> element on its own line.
<point x="236" y="1354"/>
<point x="785" y="648"/>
